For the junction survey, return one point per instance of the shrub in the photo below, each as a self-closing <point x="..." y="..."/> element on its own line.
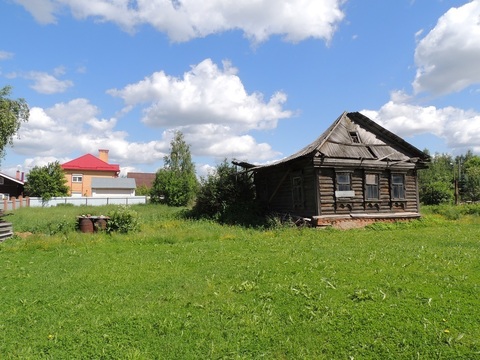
<point x="228" y="197"/>
<point x="436" y="193"/>
<point x="123" y="220"/>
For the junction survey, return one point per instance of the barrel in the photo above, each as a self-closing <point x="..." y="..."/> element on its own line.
<point x="86" y="225"/>
<point x="100" y="224"/>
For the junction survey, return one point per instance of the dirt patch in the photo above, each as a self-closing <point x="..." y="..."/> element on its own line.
<point x="23" y="235"/>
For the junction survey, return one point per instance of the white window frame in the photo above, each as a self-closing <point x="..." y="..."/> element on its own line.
<point x="77" y="178"/>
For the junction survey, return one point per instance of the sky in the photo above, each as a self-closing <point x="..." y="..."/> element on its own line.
<point x="251" y="80"/>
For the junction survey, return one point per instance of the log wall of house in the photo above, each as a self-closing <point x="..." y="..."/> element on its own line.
<point x="326" y="185"/>
<point x="331" y="205"/>
<point x="275" y="191"/>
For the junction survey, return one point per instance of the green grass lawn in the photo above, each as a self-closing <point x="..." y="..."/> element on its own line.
<point x="182" y="289"/>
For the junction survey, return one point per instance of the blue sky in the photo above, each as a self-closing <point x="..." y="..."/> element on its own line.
<point x="250" y="80"/>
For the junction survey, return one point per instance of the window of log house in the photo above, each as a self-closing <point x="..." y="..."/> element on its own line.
<point x="371" y="187"/>
<point x="343" y="181"/>
<point x="398" y="186"/>
<point x="354" y="137"/>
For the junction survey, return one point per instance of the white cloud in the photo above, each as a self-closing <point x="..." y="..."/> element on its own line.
<point x="43" y="11"/>
<point x="205" y="95"/>
<point x="220" y="141"/>
<point x="74" y="127"/>
<point x="45" y="83"/>
<point x="208" y="104"/>
<point x="211" y="107"/>
<point x="459" y="128"/>
<point x="295" y="20"/>
<point x="447" y="57"/>
<point x="5" y="55"/>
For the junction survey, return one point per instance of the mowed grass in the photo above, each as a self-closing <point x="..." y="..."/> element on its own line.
<point x="183" y="289"/>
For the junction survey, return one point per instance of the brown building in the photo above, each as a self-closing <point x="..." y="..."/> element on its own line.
<point x="355" y="170"/>
<point x="142" y="179"/>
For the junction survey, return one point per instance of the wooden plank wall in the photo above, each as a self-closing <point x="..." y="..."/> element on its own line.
<point x="277" y="182"/>
<point x="330" y="205"/>
<point x="274" y="190"/>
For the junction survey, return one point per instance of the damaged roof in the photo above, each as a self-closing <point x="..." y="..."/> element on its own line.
<point x="354" y="136"/>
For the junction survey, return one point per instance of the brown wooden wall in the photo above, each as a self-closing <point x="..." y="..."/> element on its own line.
<point x="274" y="189"/>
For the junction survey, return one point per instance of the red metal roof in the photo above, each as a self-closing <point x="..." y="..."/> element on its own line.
<point x="90" y="163"/>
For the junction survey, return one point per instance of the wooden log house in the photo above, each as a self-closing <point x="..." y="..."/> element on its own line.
<point x="356" y="170"/>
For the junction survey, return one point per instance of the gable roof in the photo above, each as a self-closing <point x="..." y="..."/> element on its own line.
<point x="88" y="162"/>
<point x="113" y="183"/>
<point x="12" y="179"/>
<point x="373" y="143"/>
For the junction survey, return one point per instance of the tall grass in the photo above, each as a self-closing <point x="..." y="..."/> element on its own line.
<point x="181" y="289"/>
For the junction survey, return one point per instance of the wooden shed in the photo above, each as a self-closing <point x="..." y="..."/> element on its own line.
<point x="356" y="170"/>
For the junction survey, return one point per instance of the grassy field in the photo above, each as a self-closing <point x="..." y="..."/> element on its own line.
<point x="182" y="289"/>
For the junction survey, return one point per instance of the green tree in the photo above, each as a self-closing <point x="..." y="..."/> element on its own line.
<point x="228" y="196"/>
<point x="436" y="182"/>
<point x="471" y="186"/>
<point x="176" y="183"/>
<point x="46" y="181"/>
<point x="12" y="114"/>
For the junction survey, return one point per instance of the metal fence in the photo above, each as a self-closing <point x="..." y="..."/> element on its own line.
<point x="13" y="203"/>
<point x="88" y="201"/>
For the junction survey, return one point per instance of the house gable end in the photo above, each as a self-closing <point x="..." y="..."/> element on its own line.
<point x="357" y="137"/>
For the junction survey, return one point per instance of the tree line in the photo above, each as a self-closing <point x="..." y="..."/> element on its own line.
<point x="450" y="179"/>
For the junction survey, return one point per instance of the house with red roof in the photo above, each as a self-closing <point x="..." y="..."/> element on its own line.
<point x="79" y="172"/>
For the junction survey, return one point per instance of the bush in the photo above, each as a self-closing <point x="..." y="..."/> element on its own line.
<point x="228" y="196"/>
<point x="123" y="220"/>
<point x="436" y="193"/>
<point x="173" y="188"/>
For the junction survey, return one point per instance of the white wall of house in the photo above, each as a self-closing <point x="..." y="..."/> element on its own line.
<point x="112" y="192"/>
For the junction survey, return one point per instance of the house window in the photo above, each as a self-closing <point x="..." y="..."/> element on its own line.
<point x="77" y="178"/>
<point x="354" y="137"/>
<point x="2" y="180"/>
<point x="297" y="191"/>
<point x="398" y="186"/>
<point x="371" y="187"/>
<point x="343" y="182"/>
